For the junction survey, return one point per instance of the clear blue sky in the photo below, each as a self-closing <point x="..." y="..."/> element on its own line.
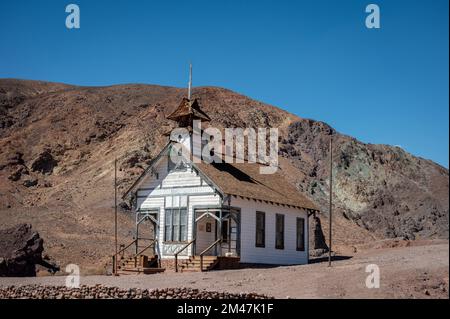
<point x="313" y="58"/>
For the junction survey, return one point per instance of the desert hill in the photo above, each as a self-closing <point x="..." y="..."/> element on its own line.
<point x="58" y="144"/>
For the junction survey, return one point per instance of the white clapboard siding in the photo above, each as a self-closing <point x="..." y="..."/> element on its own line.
<point x="176" y="178"/>
<point x="269" y="254"/>
<point x="163" y="189"/>
<point x="162" y="192"/>
<point x="151" y="203"/>
<point x="181" y="179"/>
<point x="159" y="170"/>
<point x="163" y="183"/>
<point x="170" y="189"/>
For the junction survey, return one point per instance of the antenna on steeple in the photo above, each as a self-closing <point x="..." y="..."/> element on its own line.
<point x="190" y="81"/>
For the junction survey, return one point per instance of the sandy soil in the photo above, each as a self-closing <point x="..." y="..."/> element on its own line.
<point x="406" y="272"/>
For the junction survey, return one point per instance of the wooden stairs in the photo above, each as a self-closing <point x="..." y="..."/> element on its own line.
<point x="193" y="263"/>
<point x="142" y="264"/>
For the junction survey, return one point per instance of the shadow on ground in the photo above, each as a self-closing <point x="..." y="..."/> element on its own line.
<point x="315" y="260"/>
<point x="325" y="259"/>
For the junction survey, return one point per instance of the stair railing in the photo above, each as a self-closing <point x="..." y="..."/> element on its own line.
<point x="206" y="250"/>
<point x="181" y="250"/>
<point x="114" y="257"/>
<point x="152" y="244"/>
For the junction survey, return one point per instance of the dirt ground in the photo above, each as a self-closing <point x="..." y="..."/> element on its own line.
<point x="405" y="272"/>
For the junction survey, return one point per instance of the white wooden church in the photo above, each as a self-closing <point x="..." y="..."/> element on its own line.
<point x="218" y="215"/>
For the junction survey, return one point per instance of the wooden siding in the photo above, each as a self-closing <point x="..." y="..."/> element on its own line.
<point x="150" y="203"/>
<point x="269" y="254"/>
<point x="174" y="189"/>
<point x="166" y="179"/>
<point x="186" y="188"/>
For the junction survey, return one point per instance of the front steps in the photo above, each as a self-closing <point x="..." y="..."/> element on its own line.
<point x="193" y="263"/>
<point x="140" y="265"/>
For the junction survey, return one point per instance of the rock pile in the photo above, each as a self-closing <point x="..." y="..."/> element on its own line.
<point x="105" y="292"/>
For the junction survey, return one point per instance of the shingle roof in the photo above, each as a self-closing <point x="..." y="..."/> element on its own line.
<point x="245" y="180"/>
<point x="188" y="109"/>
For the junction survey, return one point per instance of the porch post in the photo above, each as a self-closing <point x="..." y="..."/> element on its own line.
<point x="238" y="232"/>
<point x="229" y="224"/>
<point x="220" y="232"/>
<point x="156" y="237"/>
<point x="194" y="231"/>
<point x="137" y="232"/>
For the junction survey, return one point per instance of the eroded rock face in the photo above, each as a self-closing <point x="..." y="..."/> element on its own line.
<point x="380" y="188"/>
<point x="20" y="251"/>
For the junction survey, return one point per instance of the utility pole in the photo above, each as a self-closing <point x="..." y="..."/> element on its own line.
<point x="115" y="216"/>
<point x="331" y="199"/>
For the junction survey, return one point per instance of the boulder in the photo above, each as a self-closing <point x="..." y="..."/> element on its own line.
<point x="20" y="251"/>
<point x="30" y="182"/>
<point x="44" y="163"/>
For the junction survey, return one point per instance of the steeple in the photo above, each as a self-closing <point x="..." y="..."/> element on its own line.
<point x="188" y="110"/>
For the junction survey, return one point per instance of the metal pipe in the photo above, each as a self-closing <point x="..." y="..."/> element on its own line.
<point x="331" y="199"/>
<point x="115" y="215"/>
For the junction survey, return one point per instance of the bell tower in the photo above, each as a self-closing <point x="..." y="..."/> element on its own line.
<point x="185" y="114"/>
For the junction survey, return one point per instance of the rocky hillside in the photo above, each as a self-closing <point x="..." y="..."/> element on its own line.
<point x="379" y="187"/>
<point x="58" y="143"/>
